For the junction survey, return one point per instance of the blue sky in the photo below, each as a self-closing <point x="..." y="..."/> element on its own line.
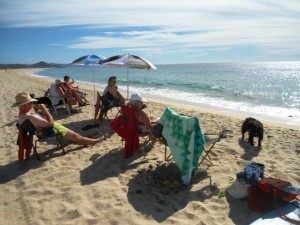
<point x="163" y="32"/>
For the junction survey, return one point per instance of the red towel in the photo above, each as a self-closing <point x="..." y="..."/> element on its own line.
<point x="25" y="143"/>
<point x="126" y="126"/>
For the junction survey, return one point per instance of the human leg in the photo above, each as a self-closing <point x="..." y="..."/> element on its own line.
<point x="78" y="139"/>
<point x="97" y="106"/>
<point x="78" y="98"/>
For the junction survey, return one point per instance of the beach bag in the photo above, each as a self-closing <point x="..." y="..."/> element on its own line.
<point x="262" y="202"/>
<point x="279" y="188"/>
<point x="272" y="193"/>
<point x="238" y="189"/>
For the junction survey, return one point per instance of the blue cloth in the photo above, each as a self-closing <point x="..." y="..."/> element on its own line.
<point x="292" y="190"/>
<point x="185" y="139"/>
<point x="253" y="172"/>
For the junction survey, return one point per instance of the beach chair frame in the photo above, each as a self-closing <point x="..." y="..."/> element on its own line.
<point x="206" y="151"/>
<point x="56" y="104"/>
<point x="100" y="100"/>
<point x="41" y="135"/>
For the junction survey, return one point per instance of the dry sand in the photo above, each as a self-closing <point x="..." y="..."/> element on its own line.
<point x="96" y="185"/>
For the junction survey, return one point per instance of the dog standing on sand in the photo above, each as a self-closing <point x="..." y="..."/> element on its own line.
<point x="254" y="128"/>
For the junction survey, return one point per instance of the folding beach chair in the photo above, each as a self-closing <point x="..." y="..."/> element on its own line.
<point x="188" y="144"/>
<point x="210" y="143"/>
<point x="104" y="104"/>
<point x="126" y="126"/>
<point x="29" y="130"/>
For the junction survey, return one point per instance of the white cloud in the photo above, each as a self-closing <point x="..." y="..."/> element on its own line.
<point x="158" y="26"/>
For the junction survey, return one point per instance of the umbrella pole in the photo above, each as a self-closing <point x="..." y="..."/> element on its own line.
<point x="127" y="83"/>
<point x="94" y="82"/>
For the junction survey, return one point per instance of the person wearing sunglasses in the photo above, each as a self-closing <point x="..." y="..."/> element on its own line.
<point x="110" y="98"/>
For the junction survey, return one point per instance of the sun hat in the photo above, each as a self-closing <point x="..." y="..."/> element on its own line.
<point x="57" y="81"/>
<point x="137" y="97"/>
<point x="22" y="99"/>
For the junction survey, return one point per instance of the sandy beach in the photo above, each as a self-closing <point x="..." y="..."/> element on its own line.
<point x="97" y="185"/>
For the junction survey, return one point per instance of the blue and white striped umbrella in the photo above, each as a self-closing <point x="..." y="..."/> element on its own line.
<point x="89" y="60"/>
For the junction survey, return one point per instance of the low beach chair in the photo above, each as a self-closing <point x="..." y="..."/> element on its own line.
<point x="55" y="93"/>
<point x="102" y="104"/>
<point x="126" y="126"/>
<point x="28" y="130"/>
<point x="58" y="103"/>
<point x="188" y="144"/>
<point x="185" y="139"/>
<point x="209" y="145"/>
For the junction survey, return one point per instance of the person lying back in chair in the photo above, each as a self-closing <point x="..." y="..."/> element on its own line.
<point x="111" y="97"/>
<point x="56" y="90"/>
<point x="71" y="88"/>
<point x="25" y="103"/>
<point x="147" y="121"/>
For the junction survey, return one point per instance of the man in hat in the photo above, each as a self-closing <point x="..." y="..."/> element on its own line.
<point x="25" y="102"/>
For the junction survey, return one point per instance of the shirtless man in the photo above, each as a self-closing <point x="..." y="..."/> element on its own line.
<point x="25" y="102"/>
<point x="74" y="90"/>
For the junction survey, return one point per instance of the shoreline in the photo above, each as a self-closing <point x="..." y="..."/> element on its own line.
<point x="89" y="184"/>
<point x="202" y="107"/>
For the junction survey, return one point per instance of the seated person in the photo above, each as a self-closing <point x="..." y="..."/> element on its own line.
<point x="56" y="90"/>
<point x="111" y="98"/>
<point x="145" y="120"/>
<point x="78" y="94"/>
<point x="43" y="100"/>
<point x="24" y="102"/>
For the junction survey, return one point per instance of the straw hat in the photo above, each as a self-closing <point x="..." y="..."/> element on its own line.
<point x="137" y="97"/>
<point x="22" y="99"/>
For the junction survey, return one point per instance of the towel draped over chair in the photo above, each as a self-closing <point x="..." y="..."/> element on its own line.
<point x="185" y="139"/>
<point x="126" y="126"/>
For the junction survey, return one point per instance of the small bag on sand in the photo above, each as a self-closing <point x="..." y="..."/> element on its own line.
<point x="238" y="189"/>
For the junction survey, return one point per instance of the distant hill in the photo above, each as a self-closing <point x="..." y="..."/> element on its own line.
<point x="41" y="64"/>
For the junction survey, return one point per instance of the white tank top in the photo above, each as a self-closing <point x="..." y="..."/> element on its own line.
<point x="53" y="92"/>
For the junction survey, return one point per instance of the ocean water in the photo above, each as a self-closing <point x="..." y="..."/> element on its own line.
<point x="268" y="90"/>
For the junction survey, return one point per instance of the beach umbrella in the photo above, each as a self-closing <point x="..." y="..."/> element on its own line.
<point x="129" y="61"/>
<point x="89" y="60"/>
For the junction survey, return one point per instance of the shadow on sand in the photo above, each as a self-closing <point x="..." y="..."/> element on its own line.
<point x="17" y="168"/>
<point x="249" y="151"/>
<point x="160" y="193"/>
<point x="240" y="212"/>
<point x="112" y="164"/>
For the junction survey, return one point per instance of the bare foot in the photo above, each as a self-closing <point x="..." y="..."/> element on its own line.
<point x="103" y="138"/>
